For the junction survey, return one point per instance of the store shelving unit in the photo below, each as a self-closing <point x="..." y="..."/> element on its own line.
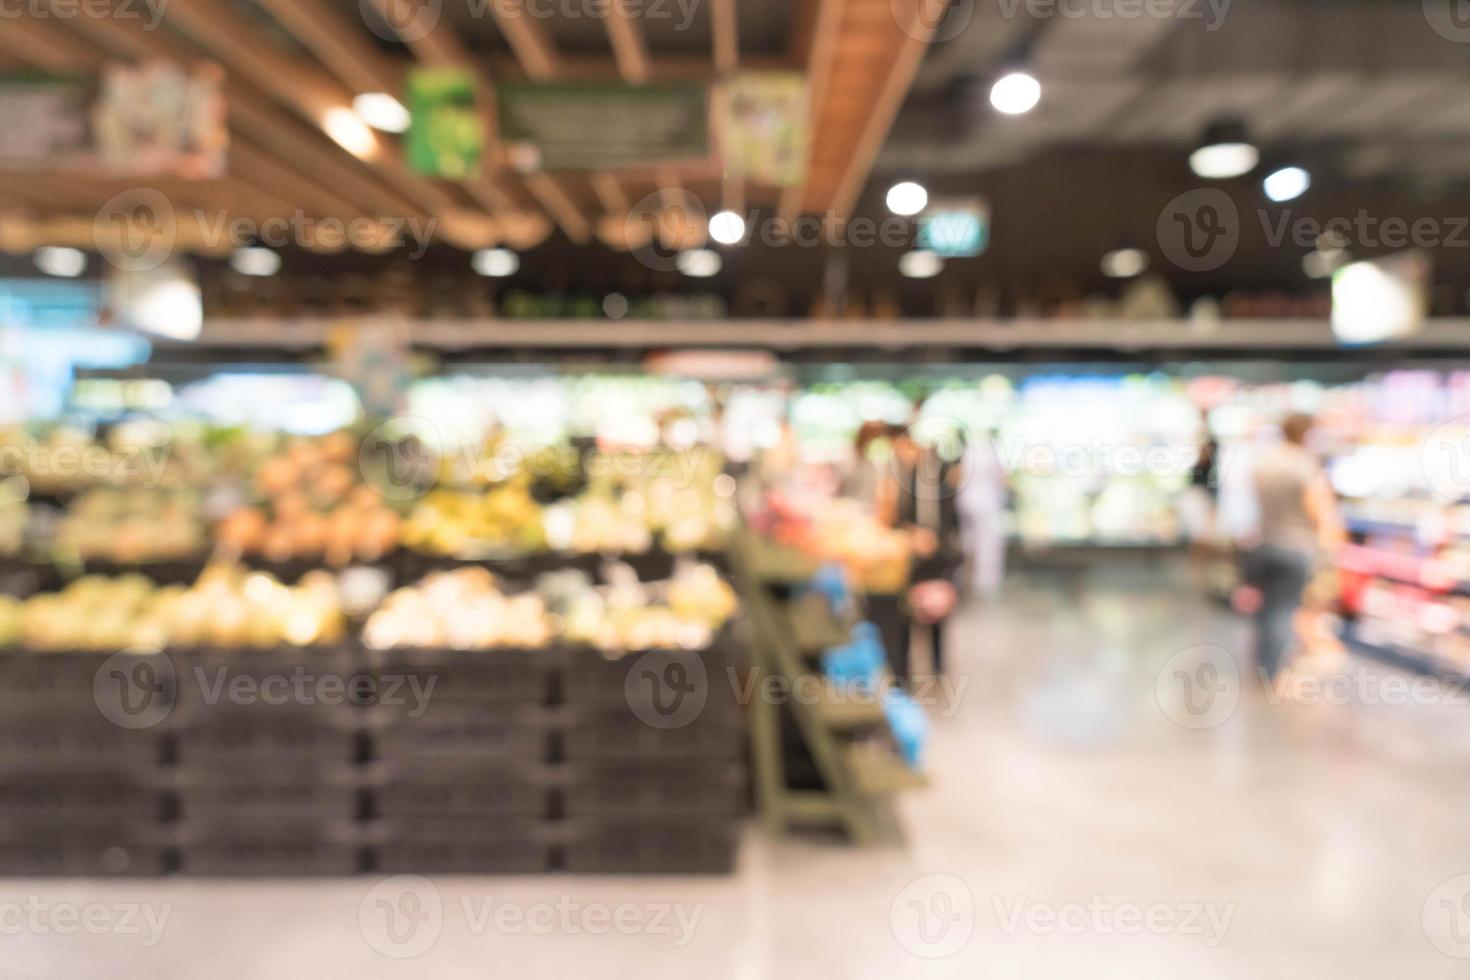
<point x="787" y="632"/>
<point x="1051" y="339"/>
<point x="525" y="761"/>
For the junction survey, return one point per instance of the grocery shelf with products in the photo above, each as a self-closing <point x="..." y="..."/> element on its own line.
<point x="484" y="632"/>
<point x="1406" y="571"/>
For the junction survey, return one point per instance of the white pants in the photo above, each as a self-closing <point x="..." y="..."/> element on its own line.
<point x="985" y="546"/>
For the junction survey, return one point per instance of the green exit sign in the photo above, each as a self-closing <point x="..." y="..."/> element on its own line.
<point x="955" y="232"/>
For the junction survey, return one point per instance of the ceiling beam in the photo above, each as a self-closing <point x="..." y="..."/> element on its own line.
<point x="44" y="45"/>
<point x="609" y="193"/>
<point x="664" y="68"/>
<point x="816" y="26"/>
<point x="304" y="150"/>
<point x="421" y="27"/>
<point x="913" y="42"/>
<point x="312" y="94"/>
<point x="339" y="42"/>
<point x="435" y="43"/>
<point x="559" y="205"/>
<point x="725" y="33"/>
<point x="528" y="38"/>
<point x="630" y="48"/>
<point x="260" y="168"/>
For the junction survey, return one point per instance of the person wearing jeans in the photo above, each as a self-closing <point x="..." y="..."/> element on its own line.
<point x="1281" y="575"/>
<point x="1298" y="516"/>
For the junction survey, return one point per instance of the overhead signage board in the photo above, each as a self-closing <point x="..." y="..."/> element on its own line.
<point x="597" y="126"/>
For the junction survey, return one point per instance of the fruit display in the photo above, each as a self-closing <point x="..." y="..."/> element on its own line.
<point x="599" y="522"/>
<point x="227" y="607"/>
<point x="466" y="609"/>
<point x="313" y="505"/>
<point x="877" y="557"/>
<point x="131" y="526"/>
<point x="14" y="518"/>
<point x="683" y="613"/>
<point x="467" y="524"/>
<point x="459" y="610"/>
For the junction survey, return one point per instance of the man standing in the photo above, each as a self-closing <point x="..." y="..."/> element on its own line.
<point x="1298" y="515"/>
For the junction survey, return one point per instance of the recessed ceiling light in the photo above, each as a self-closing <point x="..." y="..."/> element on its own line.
<point x="907" y="198"/>
<point x="1125" y="263"/>
<point x="1224" y="152"/>
<point x="727" y="227"/>
<point x="701" y="263"/>
<point x="382" y="112"/>
<point x="350" y="132"/>
<point x="67" y="263"/>
<point x="255" y="261"/>
<point x="496" y="262"/>
<point x="1015" y="93"/>
<point x="1287" y="184"/>
<point x="920" y="264"/>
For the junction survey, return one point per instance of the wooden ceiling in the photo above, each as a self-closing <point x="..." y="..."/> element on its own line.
<point x="288" y="63"/>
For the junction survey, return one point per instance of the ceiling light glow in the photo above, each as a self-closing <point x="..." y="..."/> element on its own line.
<point x="1015" y="93"/>
<point x="382" y="112"/>
<point x="907" y="198"/>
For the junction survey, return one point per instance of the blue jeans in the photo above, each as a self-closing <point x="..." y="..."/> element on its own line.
<point x="1281" y="574"/>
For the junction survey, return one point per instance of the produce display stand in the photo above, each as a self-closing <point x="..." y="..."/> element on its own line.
<point x="520" y="761"/>
<point x="788" y="631"/>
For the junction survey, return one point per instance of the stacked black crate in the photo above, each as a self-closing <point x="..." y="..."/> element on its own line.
<point x="82" y="747"/>
<point x="462" y="745"/>
<point x="655" y="761"/>
<point x="268" y="747"/>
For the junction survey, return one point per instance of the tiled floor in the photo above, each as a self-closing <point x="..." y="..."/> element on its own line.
<point x="1106" y="802"/>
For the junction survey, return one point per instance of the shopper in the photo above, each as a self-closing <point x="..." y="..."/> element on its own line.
<point x="862" y="477"/>
<point x="981" y="501"/>
<point x="1298" y="517"/>
<point x="922" y="485"/>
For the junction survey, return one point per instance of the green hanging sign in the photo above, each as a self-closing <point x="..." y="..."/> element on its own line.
<point x="446" y="137"/>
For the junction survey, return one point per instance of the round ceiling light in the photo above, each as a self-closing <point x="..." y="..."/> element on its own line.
<point x="496" y="262"/>
<point x="1015" y="93"/>
<point x="255" y="261"/>
<point x="700" y="263"/>
<point x="1224" y="152"/>
<point x="920" y="264"/>
<point x="350" y="132"/>
<point x="1286" y="184"/>
<point x="382" y="112"/>
<point x="66" y="263"/>
<point x="907" y="198"/>
<point x="727" y="227"/>
<point x="1125" y="263"/>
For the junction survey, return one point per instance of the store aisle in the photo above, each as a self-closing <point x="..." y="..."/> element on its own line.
<point x="1077" y="826"/>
